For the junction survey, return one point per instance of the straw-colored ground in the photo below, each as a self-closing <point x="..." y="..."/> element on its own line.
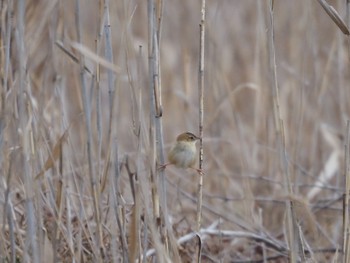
<point x="78" y="142"/>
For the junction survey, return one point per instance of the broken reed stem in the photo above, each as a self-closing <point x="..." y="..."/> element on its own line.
<point x="333" y="14"/>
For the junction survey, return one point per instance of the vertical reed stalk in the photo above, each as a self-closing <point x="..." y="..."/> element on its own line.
<point x="25" y="138"/>
<point x="346" y="229"/>
<point x="87" y="111"/>
<point x="201" y="120"/>
<point x="291" y="227"/>
<point x="152" y="84"/>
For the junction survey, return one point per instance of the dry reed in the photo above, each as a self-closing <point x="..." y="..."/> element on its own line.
<point x="94" y="92"/>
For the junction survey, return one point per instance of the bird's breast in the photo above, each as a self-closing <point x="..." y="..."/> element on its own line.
<point x="183" y="154"/>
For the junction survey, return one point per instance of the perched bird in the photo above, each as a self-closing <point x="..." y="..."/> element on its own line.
<point x="183" y="153"/>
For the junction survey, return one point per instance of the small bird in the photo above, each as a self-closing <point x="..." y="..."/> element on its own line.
<point x="184" y="152"/>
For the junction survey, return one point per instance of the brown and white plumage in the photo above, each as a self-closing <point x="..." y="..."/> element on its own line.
<point x="183" y="153"/>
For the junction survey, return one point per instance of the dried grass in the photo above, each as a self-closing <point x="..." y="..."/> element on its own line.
<point x="82" y="126"/>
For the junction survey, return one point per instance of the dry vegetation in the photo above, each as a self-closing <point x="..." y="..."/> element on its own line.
<point x="79" y="136"/>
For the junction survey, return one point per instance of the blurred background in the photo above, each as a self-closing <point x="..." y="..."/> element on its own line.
<point x="46" y="177"/>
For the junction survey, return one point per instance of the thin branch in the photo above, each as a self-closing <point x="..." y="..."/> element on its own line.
<point x="201" y="112"/>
